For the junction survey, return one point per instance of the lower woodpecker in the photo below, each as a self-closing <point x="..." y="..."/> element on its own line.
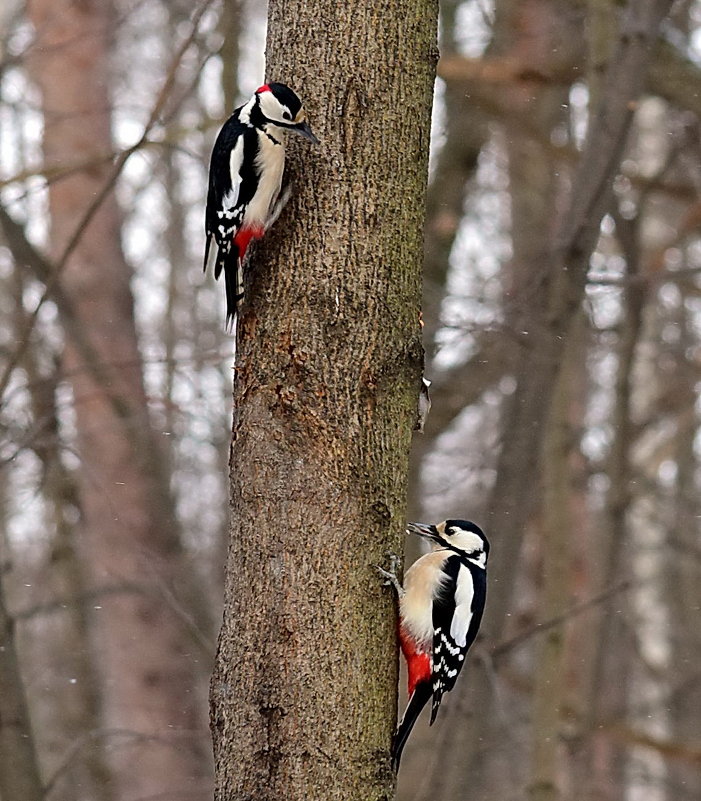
<point x="440" y="611"/>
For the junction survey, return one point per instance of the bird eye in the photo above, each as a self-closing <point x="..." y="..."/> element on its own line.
<point x="286" y="115"/>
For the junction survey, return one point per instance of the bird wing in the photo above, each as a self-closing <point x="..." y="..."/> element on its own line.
<point x="233" y="181"/>
<point x="445" y="649"/>
<point x="225" y="206"/>
<point x="457" y="613"/>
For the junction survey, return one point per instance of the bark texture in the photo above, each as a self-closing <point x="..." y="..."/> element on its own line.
<point x="327" y="377"/>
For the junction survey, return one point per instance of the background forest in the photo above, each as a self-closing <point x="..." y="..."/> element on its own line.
<point x="565" y="409"/>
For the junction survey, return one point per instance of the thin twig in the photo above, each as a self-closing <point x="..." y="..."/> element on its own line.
<point x="502" y="648"/>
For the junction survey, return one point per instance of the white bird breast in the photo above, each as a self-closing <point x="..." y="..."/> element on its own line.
<point x="271" y="164"/>
<point x="422" y="581"/>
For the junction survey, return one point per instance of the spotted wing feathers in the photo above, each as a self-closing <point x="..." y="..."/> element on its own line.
<point x="457" y="613"/>
<point x="226" y="205"/>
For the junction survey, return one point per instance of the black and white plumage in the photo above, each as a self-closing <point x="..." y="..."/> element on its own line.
<point x="245" y="180"/>
<point x="440" y="609"/>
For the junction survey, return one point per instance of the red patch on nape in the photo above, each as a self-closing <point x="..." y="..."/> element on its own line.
<point x="418" y="662"/>
<point x="244" y="236"/>
<point x="263" y="88"/>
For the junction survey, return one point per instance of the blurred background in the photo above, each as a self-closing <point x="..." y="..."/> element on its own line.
<point x="115" y="382"/>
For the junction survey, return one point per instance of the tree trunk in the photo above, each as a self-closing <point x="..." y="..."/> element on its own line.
<point x="131" y="541"/>
<point x="327" y="377"/>
<point x="603" y="760"/>
<point x="549" y="682"/>
<point x="57" y="649"/>
<point x="683" y="586"/>
<point x="19" y="770"/>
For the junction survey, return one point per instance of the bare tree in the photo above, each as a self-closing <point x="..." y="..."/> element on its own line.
<point x="543" y="300"/>
<point x="131" y="535"/>
<point x="327" y="378"/>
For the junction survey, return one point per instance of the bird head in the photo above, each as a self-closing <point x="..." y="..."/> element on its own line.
<point x="462" y="536"/>
<point x="280" y="106"/>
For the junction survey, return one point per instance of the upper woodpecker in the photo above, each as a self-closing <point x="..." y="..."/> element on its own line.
<point x="440" y="610"/>
<point x="245" y="177"/>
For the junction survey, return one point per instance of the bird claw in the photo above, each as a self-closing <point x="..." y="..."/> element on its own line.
<point x="390" y="575"/>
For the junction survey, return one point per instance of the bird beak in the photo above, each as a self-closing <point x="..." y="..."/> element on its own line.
<point x="304" y="129"/>
<point x="423" y="530"/>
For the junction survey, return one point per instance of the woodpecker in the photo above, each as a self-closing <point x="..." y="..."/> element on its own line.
<point x="245" y="178"/>
<point x="440" y="611"/>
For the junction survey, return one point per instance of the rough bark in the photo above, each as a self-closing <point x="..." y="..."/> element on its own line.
<point x="130" y="533"/>
<point x="327" y="375"/>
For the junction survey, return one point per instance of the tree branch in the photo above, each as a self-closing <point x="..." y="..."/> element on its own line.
<point x="504" y="647"/>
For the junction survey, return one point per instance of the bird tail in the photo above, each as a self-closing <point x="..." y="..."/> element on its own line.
<point x="211" y="253"/>
<point x="419" y="699"/>
<point x="233" y="279"/>
<point x="437" y="698"/>
<point x="226" y="258"/>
